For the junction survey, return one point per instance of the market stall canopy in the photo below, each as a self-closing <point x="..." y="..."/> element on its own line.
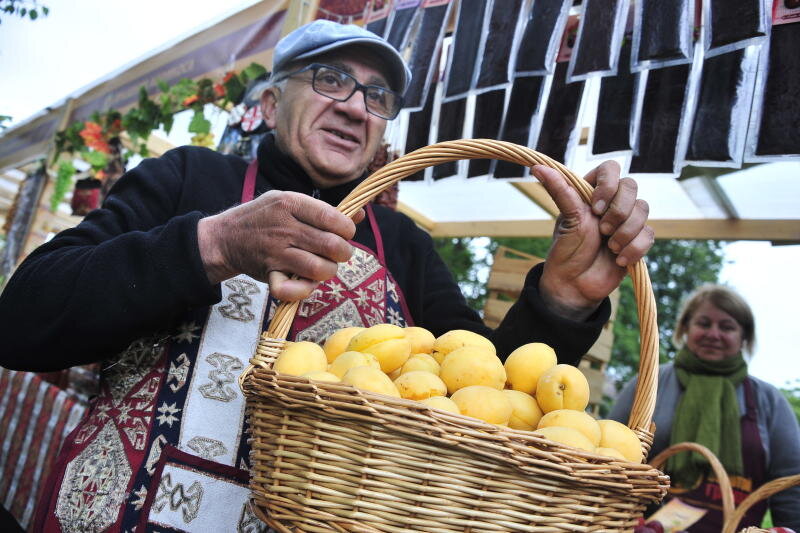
<point x="709" y="158"/>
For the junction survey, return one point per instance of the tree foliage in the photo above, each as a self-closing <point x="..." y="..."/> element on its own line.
<point x="792" y="394"/>
<point x="462" y="256"/>
<point x="30" y="9"/>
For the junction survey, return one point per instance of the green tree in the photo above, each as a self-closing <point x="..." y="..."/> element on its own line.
<point x="3" y="120"/>
<point x="462" y="256"/>
<point x="23" y="8"/>
<point x="792" y="394"/>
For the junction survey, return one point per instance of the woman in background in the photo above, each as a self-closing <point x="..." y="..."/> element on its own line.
<point x="706" y="396"/>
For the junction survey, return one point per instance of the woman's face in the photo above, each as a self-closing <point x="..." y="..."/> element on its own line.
<point x="713" y="334"/>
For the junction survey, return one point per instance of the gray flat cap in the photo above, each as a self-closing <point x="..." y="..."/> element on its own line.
<point x="322" y="36"/>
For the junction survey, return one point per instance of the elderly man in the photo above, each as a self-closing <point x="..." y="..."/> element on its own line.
<point x="178" y="272"/>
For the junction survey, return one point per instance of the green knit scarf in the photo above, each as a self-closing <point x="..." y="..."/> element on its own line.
<point x="708" y="413"/>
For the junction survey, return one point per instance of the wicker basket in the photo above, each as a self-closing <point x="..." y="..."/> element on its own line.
<point x="330" y="457"/>
<point x="731" y="515"/>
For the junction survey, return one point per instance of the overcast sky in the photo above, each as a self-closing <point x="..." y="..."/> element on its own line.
<point x="44" y="61"/>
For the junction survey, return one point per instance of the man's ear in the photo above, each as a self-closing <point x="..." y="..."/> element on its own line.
<point x="269" y="106"/>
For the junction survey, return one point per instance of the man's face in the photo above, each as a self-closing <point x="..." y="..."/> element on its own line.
<point x="333" y="141"/>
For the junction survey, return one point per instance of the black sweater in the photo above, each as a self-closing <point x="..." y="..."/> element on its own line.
<point x="133" y="267"/>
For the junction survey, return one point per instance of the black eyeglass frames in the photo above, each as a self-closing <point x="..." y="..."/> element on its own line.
<point x="339" y="85"/>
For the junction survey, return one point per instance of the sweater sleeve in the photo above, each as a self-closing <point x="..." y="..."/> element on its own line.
<point x="127" y="270"/>
<point x="784" y="459"/>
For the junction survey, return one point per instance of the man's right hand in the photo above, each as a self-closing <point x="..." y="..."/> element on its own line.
<point x="277" y="234"/>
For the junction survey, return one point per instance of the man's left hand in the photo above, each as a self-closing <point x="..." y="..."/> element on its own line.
<point x="592" y="245"/>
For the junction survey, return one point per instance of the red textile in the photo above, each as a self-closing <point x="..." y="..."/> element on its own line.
<point x="35" y="417"/>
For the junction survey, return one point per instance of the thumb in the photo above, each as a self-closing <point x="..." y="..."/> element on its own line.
<point x="289" y="289"/>
<point x="565" y="197"/>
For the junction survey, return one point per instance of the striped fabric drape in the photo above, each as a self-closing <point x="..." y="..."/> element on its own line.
<point x="35" y="417"/>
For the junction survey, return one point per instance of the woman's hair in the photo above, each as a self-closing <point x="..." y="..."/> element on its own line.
<point x="722" y="298"/>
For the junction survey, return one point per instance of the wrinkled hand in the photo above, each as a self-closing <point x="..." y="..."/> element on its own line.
<point x="592" y="245"/>
<point x="277" y="234"/>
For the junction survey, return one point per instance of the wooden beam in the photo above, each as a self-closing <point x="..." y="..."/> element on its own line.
<point x="536" y="193"/>
<point x="156" y="145"/>
<point x="729" y="230"/>
<point x="421" y="220"/>
<point x="718" y="229"/>
<point x="15" y="177"/>
<point x="298" y="13"/>
<point x="6" y="193"/>
<point x="494" y="228"/>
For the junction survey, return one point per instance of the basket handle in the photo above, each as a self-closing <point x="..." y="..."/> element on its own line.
<point x="445" y="152"/>
<point x="761" y="493"/>
<point x="716" y="466"/>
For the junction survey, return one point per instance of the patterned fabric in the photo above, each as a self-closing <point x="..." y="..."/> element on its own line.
<point x="361" y="294"/>
<point x="164" y="446"/>
<point x="188" y="496"/>
<point x="35" y="417"/>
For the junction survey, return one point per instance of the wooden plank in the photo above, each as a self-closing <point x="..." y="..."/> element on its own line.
<point x="14" y="176"/>
<point x="7" y="194"/>
<point x="601" y="349"/>
<point x="494" y="311"/>
<point x="594" y="362"/>
<point x="536" y="193"/>
<point x="505" y="251"/>
<point x="514" y="265"/>
<point x="596" y="379"/>
<point x="497" y="228"/>
<point x="506" y="282"/>
<point x="421" y="220"/>
<point x="776" y="230"/>
<point x="509" y="269"/>
<point x="614" y="297"/>
<point x="156" y="146"/>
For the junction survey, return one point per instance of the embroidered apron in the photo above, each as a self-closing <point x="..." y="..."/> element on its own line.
<point x="163" y="447"/>
<point x="708" y="494"/>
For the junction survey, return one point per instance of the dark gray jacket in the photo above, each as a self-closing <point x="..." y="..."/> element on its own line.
<point x="777" y="426"/>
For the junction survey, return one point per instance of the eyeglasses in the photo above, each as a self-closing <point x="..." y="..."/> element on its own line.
<point x="339" y="85"/>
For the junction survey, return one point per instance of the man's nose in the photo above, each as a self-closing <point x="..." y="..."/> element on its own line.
<point x="355" y="107"/>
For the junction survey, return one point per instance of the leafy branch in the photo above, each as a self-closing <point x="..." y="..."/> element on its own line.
<point x="90" y="140"/>
<point x="23" y="8"/>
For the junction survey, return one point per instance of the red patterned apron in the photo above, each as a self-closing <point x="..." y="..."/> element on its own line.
<point x="708" y="495"/>
<point x="163" y="447"/>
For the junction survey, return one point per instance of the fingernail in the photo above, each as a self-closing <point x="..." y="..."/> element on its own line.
<point x="599" y="206"/>
<point x="621" y="261"/>
<point x="535" y="171"/>
<point x="614" y="246"/>
<point x="605" y="228"/>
